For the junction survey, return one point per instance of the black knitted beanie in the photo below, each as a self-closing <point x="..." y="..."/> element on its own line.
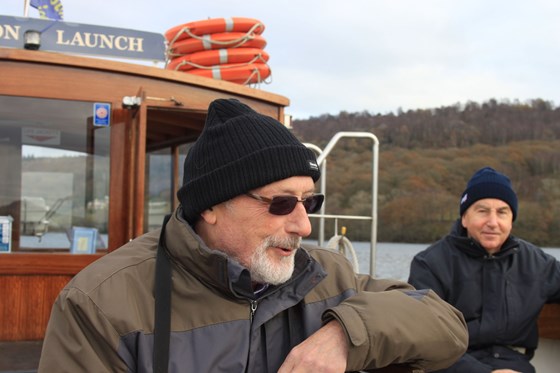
<point x="488" y="183"/>
<point x="237" y="151"/>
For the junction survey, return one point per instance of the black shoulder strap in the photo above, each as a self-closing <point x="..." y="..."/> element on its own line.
<point x="162" y="314"/>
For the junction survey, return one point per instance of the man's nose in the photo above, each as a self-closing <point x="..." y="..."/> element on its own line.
<point x="298" y="222"/>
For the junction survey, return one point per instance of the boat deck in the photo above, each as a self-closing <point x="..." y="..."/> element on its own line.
<point x="20" y="357"/>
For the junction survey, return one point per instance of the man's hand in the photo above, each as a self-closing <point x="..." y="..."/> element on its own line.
<point x="324" y="351"/>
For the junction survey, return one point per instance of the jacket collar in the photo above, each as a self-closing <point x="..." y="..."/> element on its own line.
<point x="215" y="268"/>
<point x="472" y="248"/>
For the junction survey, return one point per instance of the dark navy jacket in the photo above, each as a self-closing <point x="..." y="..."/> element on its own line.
<point x="499" y="295"/>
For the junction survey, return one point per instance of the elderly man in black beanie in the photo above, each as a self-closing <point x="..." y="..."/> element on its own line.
<point x="234" y="289"/>
<point x="499" y="282"/>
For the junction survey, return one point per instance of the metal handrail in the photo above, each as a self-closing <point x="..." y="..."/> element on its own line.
<point x="322" y="161"/>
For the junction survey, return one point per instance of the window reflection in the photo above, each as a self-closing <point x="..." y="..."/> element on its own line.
<point x="158" y="187"/>
<point x="58" y="171"/>
<point x="159" y="179"/>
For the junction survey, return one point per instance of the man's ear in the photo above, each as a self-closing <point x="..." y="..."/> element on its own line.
<point x="209" y="216"/>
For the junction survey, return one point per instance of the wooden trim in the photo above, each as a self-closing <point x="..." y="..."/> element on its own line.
<point x="139" y="176"/>
<point x="119" y="180"/>
<point x="225" y="88"/>
<point x="19" y="263"/>
<point x="281" y="116"/>
<point x="130" y="159"/>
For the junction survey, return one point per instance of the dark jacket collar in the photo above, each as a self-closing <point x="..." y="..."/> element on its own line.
<point x="469" y="246"/>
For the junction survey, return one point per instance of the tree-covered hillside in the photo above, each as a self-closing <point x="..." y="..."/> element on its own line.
<point x="426" y="158"/>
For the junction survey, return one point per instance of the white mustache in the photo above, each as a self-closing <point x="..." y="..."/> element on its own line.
<point x="291" y="243"/>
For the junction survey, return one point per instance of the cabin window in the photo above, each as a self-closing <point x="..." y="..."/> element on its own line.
<point x="160" y="191"/>
<point x="55" y="172"/>
<point x="159" y="178"/>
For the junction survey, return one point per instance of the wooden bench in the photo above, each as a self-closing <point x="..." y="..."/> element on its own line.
<point x="549" y="322"/>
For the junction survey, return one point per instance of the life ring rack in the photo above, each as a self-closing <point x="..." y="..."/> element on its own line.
<point x="236" y="73"/>
<point x="216" y="41"/>
<point x="229" y="49"/>
<point x="213" y="26"/>
<point x="210" y="58"/>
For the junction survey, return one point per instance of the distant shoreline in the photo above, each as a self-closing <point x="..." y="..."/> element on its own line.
<point x="393" y="259"/>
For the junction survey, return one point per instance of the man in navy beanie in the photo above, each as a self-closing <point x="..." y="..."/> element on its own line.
<point x="498" y="281"/>
<point x="227" y="286"/>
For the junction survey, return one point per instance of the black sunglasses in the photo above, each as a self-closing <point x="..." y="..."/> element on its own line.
<point x="283" y="205"/>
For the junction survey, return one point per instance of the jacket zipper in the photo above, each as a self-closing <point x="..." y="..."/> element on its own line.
<point x="253" y="306"/>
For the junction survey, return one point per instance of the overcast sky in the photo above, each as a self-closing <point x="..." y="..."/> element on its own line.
<point x="329" y="56"/>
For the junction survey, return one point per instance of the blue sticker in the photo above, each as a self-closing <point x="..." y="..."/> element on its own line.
<point x="101" y="114"/>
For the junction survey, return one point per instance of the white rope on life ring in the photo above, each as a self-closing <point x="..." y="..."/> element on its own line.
<point x="343" y="245"/>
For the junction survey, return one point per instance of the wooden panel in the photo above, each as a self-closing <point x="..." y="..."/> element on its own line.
<point x="26" y="305"/>
<point x="549" y="322"/>
<point x="29" y="284"/>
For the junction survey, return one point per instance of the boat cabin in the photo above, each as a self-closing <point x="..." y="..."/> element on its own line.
<point x="92" y="154"/>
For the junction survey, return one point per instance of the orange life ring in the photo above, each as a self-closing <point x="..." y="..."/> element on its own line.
<point x="214" y="25"/>
<point x="217" y="41"/>
<point x="242" y="74"/>
<point x="217" y="57"/>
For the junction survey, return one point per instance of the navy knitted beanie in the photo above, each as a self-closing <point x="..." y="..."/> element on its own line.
<point x="237" y="151"/>
<point x="488" y="183"/>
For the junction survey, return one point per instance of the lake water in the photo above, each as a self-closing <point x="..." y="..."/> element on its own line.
<point x="393" y="259"/>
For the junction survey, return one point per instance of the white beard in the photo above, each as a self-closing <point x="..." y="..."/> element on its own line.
<point x="268" y="271"/>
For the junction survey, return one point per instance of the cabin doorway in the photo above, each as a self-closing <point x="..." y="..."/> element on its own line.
<point x="171" y="133"/>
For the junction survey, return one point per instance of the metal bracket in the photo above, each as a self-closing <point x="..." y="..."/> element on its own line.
<point x="133" y="102"/>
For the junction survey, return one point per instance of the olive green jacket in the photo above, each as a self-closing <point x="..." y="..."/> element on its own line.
<point x="103" y="320"/>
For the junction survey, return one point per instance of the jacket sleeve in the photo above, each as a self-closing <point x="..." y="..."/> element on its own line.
<point x="389" y="322"/>
<point x="423" y="277"/>
<point x="79" y="338"/>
